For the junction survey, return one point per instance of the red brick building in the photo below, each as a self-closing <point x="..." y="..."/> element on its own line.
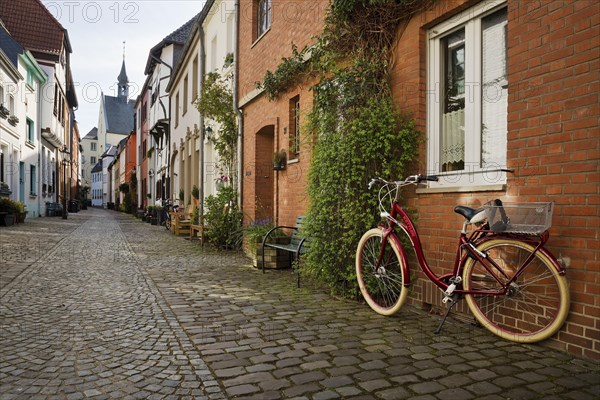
<point x="267" y="30"/>
<point x="494" y="86"/>
<point x="530" y="77"/>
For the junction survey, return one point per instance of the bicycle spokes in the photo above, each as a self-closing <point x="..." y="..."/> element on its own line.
<point x="527" y="306"/>
<point x="380" y="273"/>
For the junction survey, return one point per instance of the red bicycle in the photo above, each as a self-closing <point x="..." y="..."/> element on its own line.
<point x="513" y="285"/>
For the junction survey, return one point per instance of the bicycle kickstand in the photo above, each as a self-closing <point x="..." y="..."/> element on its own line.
<point x="453" y="299"/>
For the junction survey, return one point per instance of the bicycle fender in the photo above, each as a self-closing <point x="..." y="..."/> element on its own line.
<point x="533" y="243"/>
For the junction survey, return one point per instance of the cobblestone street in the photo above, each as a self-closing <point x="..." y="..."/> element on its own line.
<point x="104" y="306"/>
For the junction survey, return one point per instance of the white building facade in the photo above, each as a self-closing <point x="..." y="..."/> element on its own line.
<point x="21" y="79"/>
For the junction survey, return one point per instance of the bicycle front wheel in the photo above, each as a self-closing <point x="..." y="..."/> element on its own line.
<point x="537" y="302"/>
<point x="381" y="280"/>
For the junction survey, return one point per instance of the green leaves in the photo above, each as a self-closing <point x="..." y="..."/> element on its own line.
<point x="216" y="103"/>
<point x="281" y="80"/>
<point x="359" y="133"/>
<point x="223" y="219"/>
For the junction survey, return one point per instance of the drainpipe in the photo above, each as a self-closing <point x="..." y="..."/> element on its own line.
<point x="240" y="153"/>
<point x="168" y="152"/>
<point x="202" y="155"/>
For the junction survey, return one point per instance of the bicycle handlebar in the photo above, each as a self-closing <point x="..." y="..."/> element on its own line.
<point x="413" y="179"/>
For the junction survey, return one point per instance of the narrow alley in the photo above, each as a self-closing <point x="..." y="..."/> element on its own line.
<point x="104" y="306"/>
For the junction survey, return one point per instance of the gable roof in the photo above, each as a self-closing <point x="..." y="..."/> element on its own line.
<point x="97" y="167"/>
<point x="177" y="37"/>
<point x="118" y="114"/>
<point x="10" y="46"/>
<point x="32" y="25"/>
<point x="194" y="29"/>
<point x="92" y="134"/>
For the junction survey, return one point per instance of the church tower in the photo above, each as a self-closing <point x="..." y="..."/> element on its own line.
<point x="123" y="81"/>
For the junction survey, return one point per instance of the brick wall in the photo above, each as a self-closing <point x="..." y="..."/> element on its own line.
<point x="266" y="123"/>
<point x="553" y="144"/>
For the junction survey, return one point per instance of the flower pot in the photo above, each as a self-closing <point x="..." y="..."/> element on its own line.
<point x="20" y="217"/>
<point x="7" y="219"/>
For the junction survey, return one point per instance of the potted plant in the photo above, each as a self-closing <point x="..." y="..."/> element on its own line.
<point x="279" y="160"/>
<point x="253" y="237"/>
<point x="21" y="213"/>
<point x="13" y="120"/>
<point x="4" y="112"/>
<point x="196" y="195"/>
<point x="4" y="190"/>
<point x="8" y="209"/>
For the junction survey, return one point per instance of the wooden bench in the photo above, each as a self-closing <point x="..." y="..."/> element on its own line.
<point x="180" y="223"/>
<point x="295" y="248"/>
<point x="197" y="228"/>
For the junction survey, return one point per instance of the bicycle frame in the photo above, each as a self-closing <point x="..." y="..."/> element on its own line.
<point x="466" y="248"/>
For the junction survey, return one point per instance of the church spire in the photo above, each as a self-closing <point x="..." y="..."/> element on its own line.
<point x="123" y="80"/>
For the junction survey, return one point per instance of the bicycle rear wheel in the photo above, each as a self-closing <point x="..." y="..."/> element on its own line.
<point x="537" y="302"/>
<point x="381" y="284"/>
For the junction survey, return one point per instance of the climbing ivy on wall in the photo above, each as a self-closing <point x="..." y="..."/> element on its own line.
<point x="216" y="102"/>
<point x="360" y="134"/>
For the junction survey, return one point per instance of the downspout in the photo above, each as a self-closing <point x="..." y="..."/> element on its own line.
<point x="240" y="152"/>
<point x="202" y="155"/>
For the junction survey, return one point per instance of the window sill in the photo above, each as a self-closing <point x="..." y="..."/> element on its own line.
<point x="32" y="195"/>
<point x="294" y="161"/>
<point x="30" y="144"/>
<point x="260" y="37"/>
<point x="463" y="189"/>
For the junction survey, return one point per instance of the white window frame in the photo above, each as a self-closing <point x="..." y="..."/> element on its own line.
<point x="473" y="177"/>
<point x="264" y="17"/>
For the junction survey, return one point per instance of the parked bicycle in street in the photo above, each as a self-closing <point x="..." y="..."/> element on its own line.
<point x="167" y="213"/>
<point x="514" y="286"/>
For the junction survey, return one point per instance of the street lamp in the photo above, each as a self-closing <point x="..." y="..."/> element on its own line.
<point x="65" y="153"/>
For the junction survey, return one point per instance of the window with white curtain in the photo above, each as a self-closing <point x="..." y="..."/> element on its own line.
<point x="263" y="17"/>
<point x="467" y="97"/>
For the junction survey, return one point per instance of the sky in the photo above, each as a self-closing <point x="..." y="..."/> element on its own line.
<point x="97" y="30"/>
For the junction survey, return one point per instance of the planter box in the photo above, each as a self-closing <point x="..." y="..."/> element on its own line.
<point x="7" y="219"/>
<point x="274" y="258"/>
<point x="20" y="217"/>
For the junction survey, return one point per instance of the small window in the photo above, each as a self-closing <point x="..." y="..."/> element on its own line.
<point x="185" y="94"/>
<point x="195" y="79"/>
<point x="30" y="131"/>
<point x="56" y="99"/>
<point x="263" y="17"/>
<point x="93" y="146"/>
<point x="294" y="128"/>
<point x="93" y="160"/>
<point x="32" y="180"/>
<point x="29" y="77"/>
<point x="176" y="110"/>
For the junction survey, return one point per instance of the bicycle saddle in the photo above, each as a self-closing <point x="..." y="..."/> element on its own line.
<point x="469" y="213"/>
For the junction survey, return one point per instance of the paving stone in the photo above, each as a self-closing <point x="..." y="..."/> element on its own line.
<point x="152" y="316"/>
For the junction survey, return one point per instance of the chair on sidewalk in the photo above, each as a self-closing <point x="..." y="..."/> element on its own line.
<point x="181" y="221"/>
